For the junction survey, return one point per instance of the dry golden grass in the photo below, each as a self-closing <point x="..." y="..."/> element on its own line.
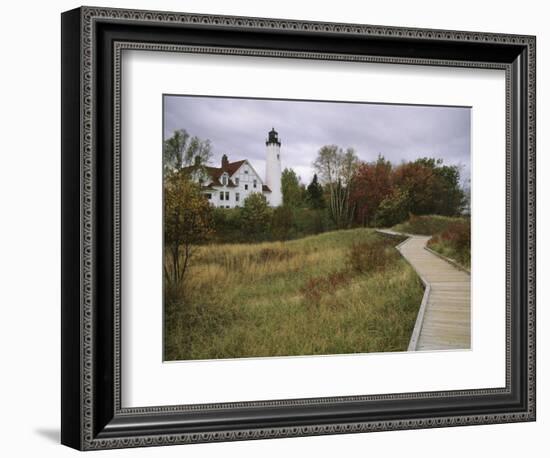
<point x="291" y="298"/>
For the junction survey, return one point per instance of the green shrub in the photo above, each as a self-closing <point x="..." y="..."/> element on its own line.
<point x="393" y="209"/>
<point x="228" y="225"/>
<point x="281" y="223"/>
<point x="308" y="221"/>
<point x="256" y="216"/>
<point x="238" y="225"/>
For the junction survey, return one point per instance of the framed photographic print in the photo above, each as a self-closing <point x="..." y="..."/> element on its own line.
<point x="276" y="228"/>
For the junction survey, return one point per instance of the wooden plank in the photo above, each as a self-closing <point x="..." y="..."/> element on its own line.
<point x="444" y="318"/>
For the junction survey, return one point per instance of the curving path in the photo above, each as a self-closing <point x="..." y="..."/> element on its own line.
<point x="443" y="321"/>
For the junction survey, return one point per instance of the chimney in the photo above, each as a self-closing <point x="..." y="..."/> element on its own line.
<point x="225" y="161"/>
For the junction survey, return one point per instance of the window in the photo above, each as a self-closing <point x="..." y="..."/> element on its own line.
<point x="278" y="156"/>
<point x="255" y="183"/>
<point x="208" y="196"/>
<point x="237" y="181"/>
<point x="221" y="195"/>
<point x="227" y="206"/>
<point x="224" y="180"/>
<point x="246" y="187"/>
<point x="237" y="196"/>
<point x="246" y="171"/>
<point x="227" y="196"/>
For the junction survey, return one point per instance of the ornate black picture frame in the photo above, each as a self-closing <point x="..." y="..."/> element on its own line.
<point x="92" y="415"/>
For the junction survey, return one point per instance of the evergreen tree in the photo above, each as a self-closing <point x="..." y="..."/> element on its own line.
<point x="314" y="192"/>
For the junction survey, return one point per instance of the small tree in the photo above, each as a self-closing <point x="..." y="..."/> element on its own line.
<point x="255" y="214"/>
<point x="290" y="186"/>
<point x="336" y="168"/>
<point x="187" y="223"/>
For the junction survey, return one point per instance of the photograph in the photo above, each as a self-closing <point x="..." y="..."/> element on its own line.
<point x="311" y="227"/>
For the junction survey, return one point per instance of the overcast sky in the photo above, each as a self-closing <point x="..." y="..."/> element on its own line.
<point x="239" y="127"/>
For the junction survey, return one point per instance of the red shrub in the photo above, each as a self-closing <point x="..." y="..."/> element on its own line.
<point x="457" y="235"/>
<point x="371" y="256"/>
<point x="316" y="287"/>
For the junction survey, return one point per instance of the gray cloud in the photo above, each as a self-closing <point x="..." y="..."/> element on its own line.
<point x="238" y="128"/>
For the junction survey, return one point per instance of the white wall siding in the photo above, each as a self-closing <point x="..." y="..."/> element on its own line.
<point x="247" y="181"/>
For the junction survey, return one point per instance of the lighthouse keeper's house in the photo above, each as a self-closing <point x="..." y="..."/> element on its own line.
<point x="230" y="184"/>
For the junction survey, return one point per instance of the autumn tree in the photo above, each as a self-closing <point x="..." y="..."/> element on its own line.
<point x="336" y="168"/>
<point x="290" y="186"/>
<point x="433" y="188"/>
<point x="182" y="150"/>
<point x="393" y="209"/>
<point x="187" y="223"/>
<point x="372" y="183"/>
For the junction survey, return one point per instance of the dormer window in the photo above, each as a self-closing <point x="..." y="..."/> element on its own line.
<point x="225" y="179"/>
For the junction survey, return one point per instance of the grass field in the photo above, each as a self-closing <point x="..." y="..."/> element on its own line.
<point x="338" y="292"/>
<point x="451" y="236"/>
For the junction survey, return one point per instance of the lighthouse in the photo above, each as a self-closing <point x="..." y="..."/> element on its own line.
<point x="273" y="168"/>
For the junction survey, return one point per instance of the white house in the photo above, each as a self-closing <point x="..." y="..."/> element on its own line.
<point x="229" y="185"/>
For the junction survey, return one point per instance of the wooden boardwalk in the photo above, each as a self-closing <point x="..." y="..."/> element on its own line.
<point x="444" y="318"/>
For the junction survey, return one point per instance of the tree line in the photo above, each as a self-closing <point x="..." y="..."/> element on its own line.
<point x="377" y="193"/>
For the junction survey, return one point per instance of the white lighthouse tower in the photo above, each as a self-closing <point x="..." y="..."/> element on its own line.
<point x="273" y="168"/>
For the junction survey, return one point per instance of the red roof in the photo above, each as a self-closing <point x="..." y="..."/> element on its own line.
<point x="216" y="172"/>
<point x="232" y="167"/>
